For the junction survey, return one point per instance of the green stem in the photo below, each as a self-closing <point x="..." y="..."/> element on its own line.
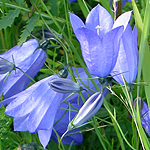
<point x="26" y="74"/>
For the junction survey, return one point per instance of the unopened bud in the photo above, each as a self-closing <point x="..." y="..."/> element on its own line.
<point x="90" y="108"/>
<point x="62" y="85"/>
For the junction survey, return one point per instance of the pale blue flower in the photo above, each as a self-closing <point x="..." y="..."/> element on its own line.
<point x="25" y="59"/>
<point x="36" y="109"/>
<point x="99" y="38"/>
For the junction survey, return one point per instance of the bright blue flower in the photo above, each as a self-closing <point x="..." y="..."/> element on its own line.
<point x="127" y="61"/>
<point x="99" y="39"/>
<point x="36" y="109"/>
<point x="26" y="60"/>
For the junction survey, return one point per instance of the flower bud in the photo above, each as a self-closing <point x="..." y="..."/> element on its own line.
<point x="90" y="107"/>
<point x="62" y="85"/>
<point x="5" y="66"/>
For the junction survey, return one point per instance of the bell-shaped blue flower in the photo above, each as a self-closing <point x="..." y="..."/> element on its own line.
<point x="25" y="59"/>
<point x="127" y="61"/>
<point x="6" y="66"/>
<point x="62" y="85"/>
<point x="36" y="109"/>
<point x="145" y="115"/>
<point x="90" y="108"/>
<point x="99" y="38"/>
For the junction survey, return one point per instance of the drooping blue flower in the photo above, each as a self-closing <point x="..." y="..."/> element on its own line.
<point x="35" y="109"/>
<point x="127" y="61"/>
<point x="25" y="59"/>
<point x="145" y="114"/>
<point x="90" y="108"/>
<point x="99" y="39"/>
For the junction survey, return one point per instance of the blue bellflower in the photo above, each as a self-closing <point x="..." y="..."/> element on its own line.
<point x="127" y="61"/>
<point x="25" y="59"/>
<point x="35" y="109"/>
<point x="99" y="39"/>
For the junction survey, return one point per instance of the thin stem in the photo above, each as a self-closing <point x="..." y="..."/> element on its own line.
<point x="61" y="139"/>
<point x="26" y="74"/>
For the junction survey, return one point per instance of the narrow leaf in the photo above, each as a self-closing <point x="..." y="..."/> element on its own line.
<point x="83" y="7"/>
<point x="9" y="18"/>
<point x="28" y="29"/>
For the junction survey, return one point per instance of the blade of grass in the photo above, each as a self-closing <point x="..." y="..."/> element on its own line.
<point x="143" y="31"/>
<point x="83" y="7"/>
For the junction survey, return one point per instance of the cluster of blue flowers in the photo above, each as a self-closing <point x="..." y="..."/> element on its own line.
<point x="108" y="48"/>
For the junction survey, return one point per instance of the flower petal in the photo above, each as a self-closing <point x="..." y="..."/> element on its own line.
<point x="99" y="16"/>
<point x="20" y="123"/>
<point x="44" y="137"/>
<point x="123" y="20"/>
<point x="27" y="100"/>
<point x="127" y="61"/>
<point x="43" y="115"/>
<point x="76" y="22"/>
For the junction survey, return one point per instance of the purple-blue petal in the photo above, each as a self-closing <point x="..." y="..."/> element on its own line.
<point x="27" y="100"/>
<point x="127" y="61"/>
<point x="20" y="123"/>
<point x="76" y="23"/>
<point x="42" y="117"/>
<point x="44" y="137"/>
<point x="99" y="16"/>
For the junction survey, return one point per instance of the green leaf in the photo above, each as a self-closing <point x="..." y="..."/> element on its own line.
<point x="83" y="7"/>
<point x="9" y="18"/>
<point x="144" y="53"/>
<point x="28" y="29"/>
